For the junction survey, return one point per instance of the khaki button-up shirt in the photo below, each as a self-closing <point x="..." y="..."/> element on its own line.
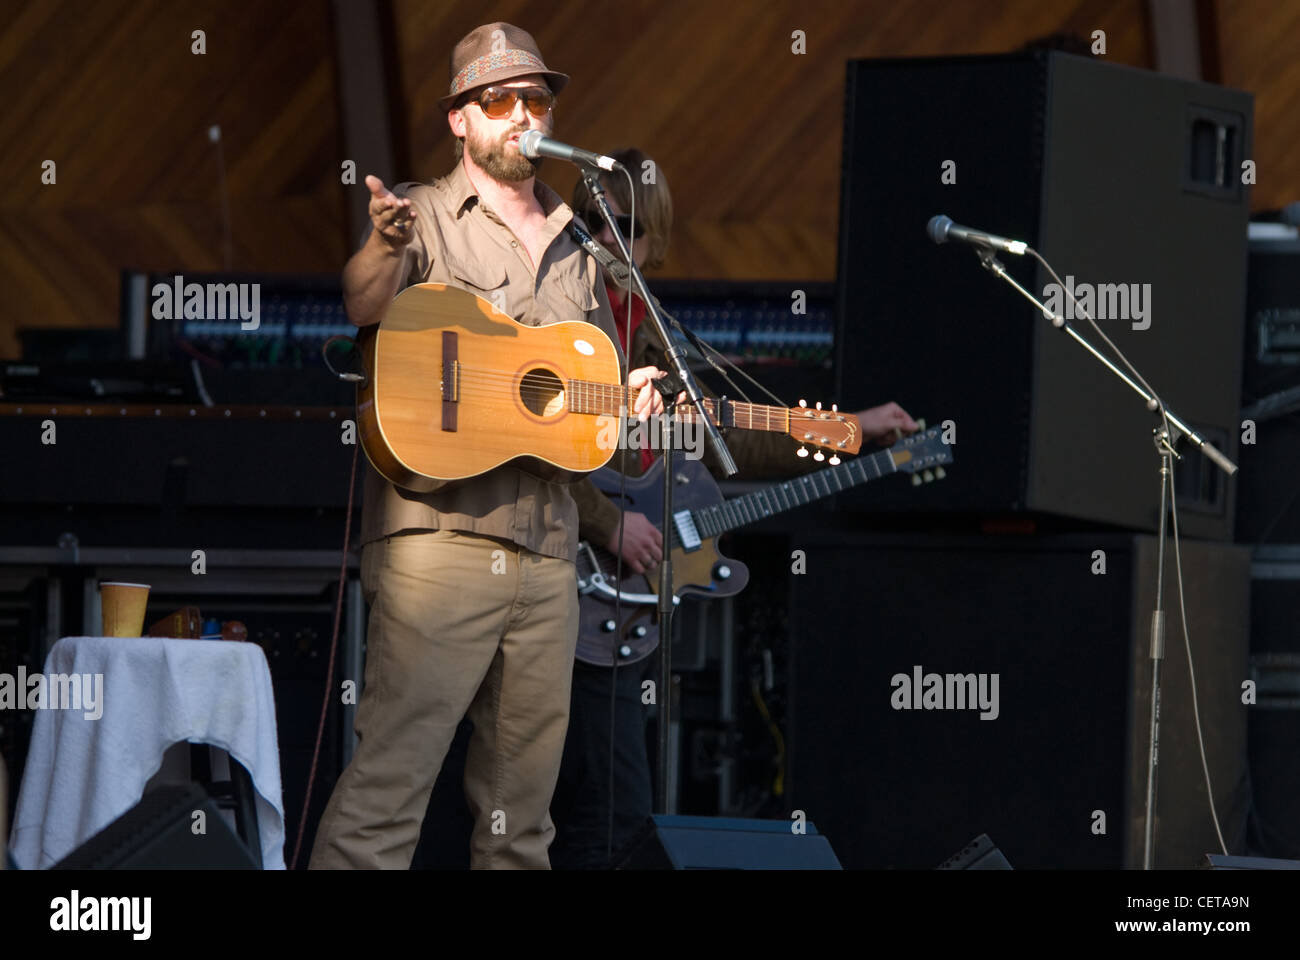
<point x="460" y="241"/>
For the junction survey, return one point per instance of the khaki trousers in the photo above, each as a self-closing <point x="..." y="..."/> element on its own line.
<point x="459" y="624"/>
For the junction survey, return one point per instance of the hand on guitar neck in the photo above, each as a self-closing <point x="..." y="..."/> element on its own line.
<point x="642" y="540"/>
<point x="649" y="402"/>
<point x="886" y="424"/>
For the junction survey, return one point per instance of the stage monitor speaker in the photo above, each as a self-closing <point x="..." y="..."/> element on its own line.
<point x="980" y="854"/>
<point x="725" y="843"/>
<point x="1129" y="182"/>
<point x="1219" y="862"/>
<point x="157" y="834"/>
<point x="1036" y="727"/>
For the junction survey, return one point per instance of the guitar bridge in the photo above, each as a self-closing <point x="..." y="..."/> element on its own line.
<point x="450" y="380"/>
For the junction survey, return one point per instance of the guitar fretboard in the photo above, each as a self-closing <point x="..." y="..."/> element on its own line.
<point x="796" y="492"/>
<point x="587" y="396"/>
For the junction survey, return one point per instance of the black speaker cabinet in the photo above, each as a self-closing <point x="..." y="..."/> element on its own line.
<point x="1275" y="720"/>
<point x="1119" y="177"/>
<point x="726" y="843"/>
<point x="1268" y="495"/>
<point x="1036" y="730"/>
<point x="157" y="834"/>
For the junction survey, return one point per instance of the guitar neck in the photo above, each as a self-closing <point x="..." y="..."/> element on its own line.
<point x="795" y="492"/>
<point x="603" y="399"/>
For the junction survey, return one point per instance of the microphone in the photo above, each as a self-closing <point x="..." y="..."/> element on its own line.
<point x="534" y="144"/>
<point x="941" y="229"/>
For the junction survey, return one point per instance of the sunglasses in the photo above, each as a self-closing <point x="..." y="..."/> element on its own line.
<point x="498" y="103"/>
<point x="594" y="220"/>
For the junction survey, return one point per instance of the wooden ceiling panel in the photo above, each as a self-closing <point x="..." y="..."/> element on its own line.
<point x="112" y="93"/>
<point x="1258" y="40"/>
<point x="746" y="131"/>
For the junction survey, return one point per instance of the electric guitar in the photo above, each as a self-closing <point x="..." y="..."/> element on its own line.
<point x="701" y="516"/>
<point x="455" y="388"/>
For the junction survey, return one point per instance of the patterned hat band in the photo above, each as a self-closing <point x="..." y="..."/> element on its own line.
<point x="491" y="63"/>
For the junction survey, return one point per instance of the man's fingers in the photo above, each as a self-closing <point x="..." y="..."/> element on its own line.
<point x="648" y="402"/>
<point x="403" y="215"/>
<point x="643" y="401"/>
<point x="376" y="186"/>
<point x="393" y="217"/>
<point x="391" y="205"/>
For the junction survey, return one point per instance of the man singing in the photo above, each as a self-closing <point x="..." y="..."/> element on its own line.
<point x="447" y="636"/>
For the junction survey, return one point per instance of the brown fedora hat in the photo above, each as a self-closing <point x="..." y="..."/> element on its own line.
<point x="493" y="53"/>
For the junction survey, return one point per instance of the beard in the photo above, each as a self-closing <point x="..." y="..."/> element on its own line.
<point x="500" y="161"/>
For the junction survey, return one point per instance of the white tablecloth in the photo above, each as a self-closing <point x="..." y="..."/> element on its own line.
<point x="83" y="773"/>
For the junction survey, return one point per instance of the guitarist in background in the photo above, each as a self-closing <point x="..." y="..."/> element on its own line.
<point x="580" y="806"/>
<point x="449" y="636"/>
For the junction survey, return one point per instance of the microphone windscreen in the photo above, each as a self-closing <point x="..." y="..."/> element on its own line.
<point x="528" y="142"/>
<point x="937" y="228"/>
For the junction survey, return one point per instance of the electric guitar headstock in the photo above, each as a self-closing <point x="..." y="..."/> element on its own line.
<point x="825" y="429"/>
<point x="922" y="454"/>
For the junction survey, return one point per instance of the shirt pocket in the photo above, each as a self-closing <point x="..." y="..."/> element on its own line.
<point x="480" y="277"/>
<point x="570" y="298"/>
<point x="579" y="292"/>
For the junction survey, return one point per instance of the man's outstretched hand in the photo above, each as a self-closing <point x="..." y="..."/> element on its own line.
<point x="393" y="216"/>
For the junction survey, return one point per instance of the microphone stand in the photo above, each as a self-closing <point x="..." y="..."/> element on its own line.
<point x="677" y="358"/>
<point x="1164" y="444"/>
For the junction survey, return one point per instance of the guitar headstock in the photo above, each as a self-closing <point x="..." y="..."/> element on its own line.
<point x="922" y="454"/>
<point x="825" y="429"/>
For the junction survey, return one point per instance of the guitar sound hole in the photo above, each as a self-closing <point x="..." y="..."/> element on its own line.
<point x="541" y="392"/>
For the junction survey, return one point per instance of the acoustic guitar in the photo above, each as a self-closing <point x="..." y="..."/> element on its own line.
<point x="456" y="388"/>
<point x="700" y="516"/>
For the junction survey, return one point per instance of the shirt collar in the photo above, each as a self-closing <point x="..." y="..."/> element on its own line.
<point x="461" y="192"/>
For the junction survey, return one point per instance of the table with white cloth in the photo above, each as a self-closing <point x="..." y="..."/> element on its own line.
<point x="83" y="772"/>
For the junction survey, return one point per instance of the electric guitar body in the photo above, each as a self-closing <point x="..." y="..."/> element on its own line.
<point x="699" y="567"/>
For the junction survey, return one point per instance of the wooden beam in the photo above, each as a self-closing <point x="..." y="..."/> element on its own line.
<point x="365" y="103"/>
<point x="1176" y="37"/>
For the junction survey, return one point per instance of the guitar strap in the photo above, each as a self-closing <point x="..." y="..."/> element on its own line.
<point x="616" y="267"/>
<point x="669" y="386"/>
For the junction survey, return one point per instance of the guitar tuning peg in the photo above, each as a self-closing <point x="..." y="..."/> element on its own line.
<point x="939" y="473"/>
<point x="819" y="404"/>
<point x="929" y="476"/>
<point x="835" y="408"/>
<point x="802" y="452"/>
<point x="819" y="456"/>
<point x="834" y="460"/>
<point x="803" y="403"/>
<point x="916" y="480"/>
<point x="921" y="424"/>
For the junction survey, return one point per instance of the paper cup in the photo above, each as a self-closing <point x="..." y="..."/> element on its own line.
<point x="123" y="606"/>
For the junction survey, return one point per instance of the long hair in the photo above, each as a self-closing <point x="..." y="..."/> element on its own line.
<point x="654" y="204"/>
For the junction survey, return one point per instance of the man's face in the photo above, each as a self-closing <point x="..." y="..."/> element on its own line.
<point x="494" y="144"/>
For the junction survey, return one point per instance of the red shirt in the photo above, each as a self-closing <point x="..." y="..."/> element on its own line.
<point x="620" y="324"/>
